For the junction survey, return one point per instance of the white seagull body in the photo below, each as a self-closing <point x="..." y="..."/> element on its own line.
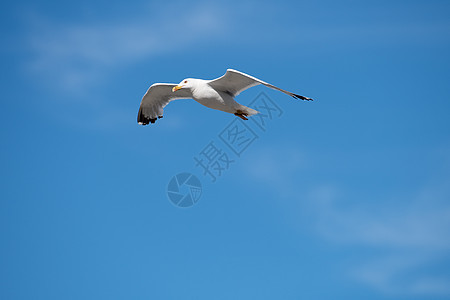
<point x="216" y="94"/>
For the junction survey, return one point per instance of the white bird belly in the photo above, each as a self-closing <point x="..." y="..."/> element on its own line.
<point x="216" y="100"/>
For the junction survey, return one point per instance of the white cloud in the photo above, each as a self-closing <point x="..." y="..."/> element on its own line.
<point x="276" y="166"/>
<point x="406" y="233"/>
<point x="74" y="56"/>
<point x="420" y="222"/>
<point x="412" y="234"/>
<point x="74" y="62"/>
<point x="400" y="274"/>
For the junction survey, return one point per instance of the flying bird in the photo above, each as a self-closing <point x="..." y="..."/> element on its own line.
<point x="216" y="94"/>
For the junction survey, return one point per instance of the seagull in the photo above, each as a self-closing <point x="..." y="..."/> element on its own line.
<point x="216" y="94"/>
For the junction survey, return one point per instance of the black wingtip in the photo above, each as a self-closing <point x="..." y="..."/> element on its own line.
<point x="295" y="96"/>
<point x="141" y="119"/>
<point x="145" y="120"/>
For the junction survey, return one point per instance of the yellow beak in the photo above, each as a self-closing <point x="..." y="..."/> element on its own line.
<point x="176" y="88"/>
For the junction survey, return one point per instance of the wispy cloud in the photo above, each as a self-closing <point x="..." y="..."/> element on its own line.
<point x="422" y="221"/>
<point x="276" y="166"/>
<point x="74" y="55"/>
<point x="409" y="231"/>
<point x="75" y="62"/>
<point x="401" y="273"/>
<point x="412" y="235"/>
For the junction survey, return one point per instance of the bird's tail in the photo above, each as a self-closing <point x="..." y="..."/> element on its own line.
<point x="249" y="111"/>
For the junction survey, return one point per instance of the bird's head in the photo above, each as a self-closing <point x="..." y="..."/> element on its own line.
<point x="184" y="84"/>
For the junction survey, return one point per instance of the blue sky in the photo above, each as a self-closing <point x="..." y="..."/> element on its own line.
<point x="347" y="196"/>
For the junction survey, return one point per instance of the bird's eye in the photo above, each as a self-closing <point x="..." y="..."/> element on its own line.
<point x="185" y="81"/>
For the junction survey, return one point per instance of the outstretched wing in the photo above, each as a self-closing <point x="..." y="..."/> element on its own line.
<point x="156" y="98"/>
<point x="234" y="82"/>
